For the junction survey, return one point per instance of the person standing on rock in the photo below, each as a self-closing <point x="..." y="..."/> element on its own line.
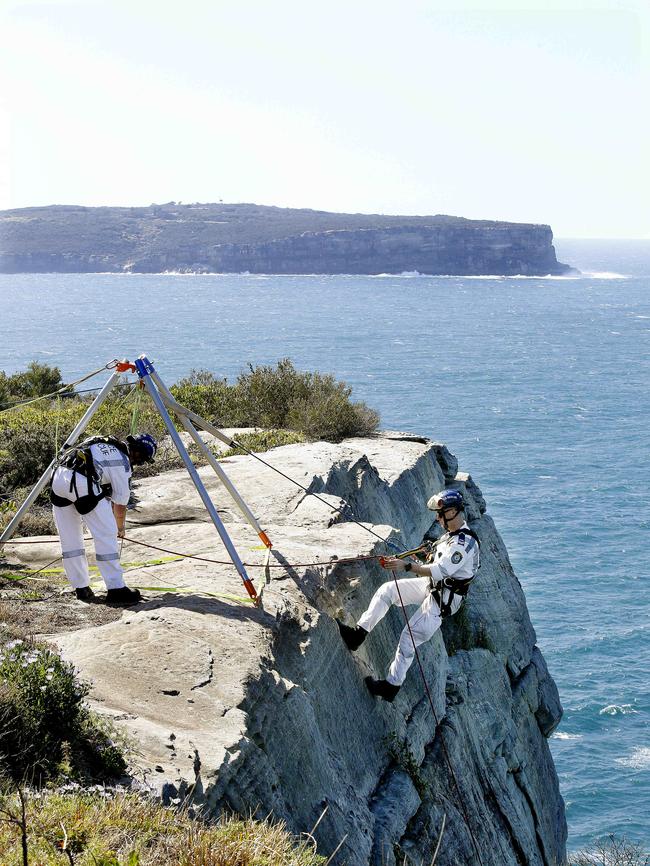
<point x="438" y="589"/>
<point x="91" y="484"/>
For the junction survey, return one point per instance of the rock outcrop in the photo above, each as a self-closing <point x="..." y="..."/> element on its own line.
<point x="265" y="710"/>
<point x="248" y="238"/>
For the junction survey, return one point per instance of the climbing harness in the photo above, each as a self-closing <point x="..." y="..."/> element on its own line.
<point x="449" y="588"/>
<point x="79" y="458"/>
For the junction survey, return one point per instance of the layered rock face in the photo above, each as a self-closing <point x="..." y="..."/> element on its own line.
<point x="265" y="710"/>
<point x="254" y="239"/>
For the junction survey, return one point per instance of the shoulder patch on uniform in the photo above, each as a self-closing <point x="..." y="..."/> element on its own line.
<point x="456" y="556"/>
<point x="461" y="538"/>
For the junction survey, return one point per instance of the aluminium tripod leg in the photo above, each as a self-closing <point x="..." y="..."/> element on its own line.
<point x="212" y="460"/>
<point x="144" y="369"/>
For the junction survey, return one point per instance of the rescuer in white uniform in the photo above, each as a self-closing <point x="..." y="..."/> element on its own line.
<point x="91" y="486"/>
<point x="438" y="590"/>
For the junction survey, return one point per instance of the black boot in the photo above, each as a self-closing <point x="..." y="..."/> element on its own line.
<point x="382" y="689"/>
<point x="85" y="593"/>
<point x="352" y="637"/>
<point x="123" y="596"/>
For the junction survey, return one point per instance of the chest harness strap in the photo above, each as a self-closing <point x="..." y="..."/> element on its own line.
<point x="80" y="460"/>
<point x="452" y="586"/>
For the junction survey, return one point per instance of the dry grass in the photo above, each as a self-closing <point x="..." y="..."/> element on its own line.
<point x="130" y="829"/>
<point x="37" y="607"/>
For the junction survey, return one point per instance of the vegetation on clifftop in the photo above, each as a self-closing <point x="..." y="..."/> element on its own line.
<point x="104" y="828"/>
<point x="295" y="406"/>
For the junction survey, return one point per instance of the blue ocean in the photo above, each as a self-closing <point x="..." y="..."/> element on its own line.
<point x="539" y="386"/>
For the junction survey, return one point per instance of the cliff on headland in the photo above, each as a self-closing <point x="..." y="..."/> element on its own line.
<point x="236" y="238"/>
<point x="265" y="711"/>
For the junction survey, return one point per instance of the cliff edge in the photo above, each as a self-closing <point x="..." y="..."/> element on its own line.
<point x="265" y="710"/>
<point x="236" y="238"/>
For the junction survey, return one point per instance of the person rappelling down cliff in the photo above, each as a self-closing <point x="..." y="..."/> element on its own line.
<point x="438" y="589"/>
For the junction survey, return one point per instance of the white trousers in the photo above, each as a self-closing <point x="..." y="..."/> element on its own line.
<point x="101" y="524"/>
<point x="424" y="623"/>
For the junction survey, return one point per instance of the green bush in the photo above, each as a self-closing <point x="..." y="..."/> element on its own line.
<point x="281" y="397"/>
<point x="40" y="710"/>
<point x="314" y="405"/>
<point x="30" y="435"/>
<point x="4" y="390"/>
<point x="214" y="399"/>
<point x="263" y="440"/>
<point x="26" y="449"/>
<point x="45" y="728"/>
<point x="37" y="380"/>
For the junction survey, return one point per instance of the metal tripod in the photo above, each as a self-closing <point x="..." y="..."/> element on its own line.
<point x="164" y="403"/>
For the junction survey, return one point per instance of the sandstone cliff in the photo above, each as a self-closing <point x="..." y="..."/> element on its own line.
<point x="237" y="238"/>
<point x="265" y="710"/>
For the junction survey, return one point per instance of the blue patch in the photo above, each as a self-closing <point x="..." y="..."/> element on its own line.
<point x="456" y="557"/>
<point x="461" y="538"/>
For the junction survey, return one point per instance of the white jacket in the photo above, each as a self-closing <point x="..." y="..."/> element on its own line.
<point x="455" y="556"/>
<point x="112" y="468"/>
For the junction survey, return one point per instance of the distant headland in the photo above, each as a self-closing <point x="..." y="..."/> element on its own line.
<point x="237" y="238"/>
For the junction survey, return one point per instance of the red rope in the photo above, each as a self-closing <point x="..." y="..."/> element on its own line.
<point x="329" y="562"/>
<point x="435" y="717"/>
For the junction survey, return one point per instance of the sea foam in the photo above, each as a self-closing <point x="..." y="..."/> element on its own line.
<point x="639" y="759"/>
<point x="617" y="710"/>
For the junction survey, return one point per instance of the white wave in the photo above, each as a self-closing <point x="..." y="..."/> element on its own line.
<point x="638" y="760"/>
<point x="617" y="710"/>
<point x="576" y="275"/>
<point x="604" y="275"/>
<point x="561" y="735"/>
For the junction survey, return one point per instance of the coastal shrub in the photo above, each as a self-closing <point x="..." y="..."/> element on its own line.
<point x="4" y="390"/>
<point x="37" y="521"/>
<point x="612" y="851"/>
<point x="314" y="404"/>
<point x="263" y="440"/>
<point x="45" y="728"/>
<point x="36" y="380"/>
<point x="40" y="707"/>
<point x="30" y="435"/>
<point x="327" y="413"/>
<point x="212" y="398"/>
<point x="26" y="449"/>
<point x="115" y="828"/>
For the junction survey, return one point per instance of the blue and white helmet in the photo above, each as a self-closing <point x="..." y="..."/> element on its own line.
<point x="144" y="445"/>
<point x="446" y="499"/>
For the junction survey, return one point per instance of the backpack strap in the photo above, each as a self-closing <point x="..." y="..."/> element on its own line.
<point x="80" y="460"/>
<point x="466" y="531"/>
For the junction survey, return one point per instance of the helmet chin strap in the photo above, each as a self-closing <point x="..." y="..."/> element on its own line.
<point x="445" y="520"/>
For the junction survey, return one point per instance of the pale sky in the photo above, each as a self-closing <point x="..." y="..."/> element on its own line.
<point x="525" y="111"/>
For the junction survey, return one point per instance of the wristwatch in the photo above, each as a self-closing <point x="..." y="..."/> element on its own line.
<point x="408" y="566"/>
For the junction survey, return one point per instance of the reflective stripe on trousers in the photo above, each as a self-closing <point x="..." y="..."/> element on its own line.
<point x="101" y="525"/>
<point x="424" y="623"/>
